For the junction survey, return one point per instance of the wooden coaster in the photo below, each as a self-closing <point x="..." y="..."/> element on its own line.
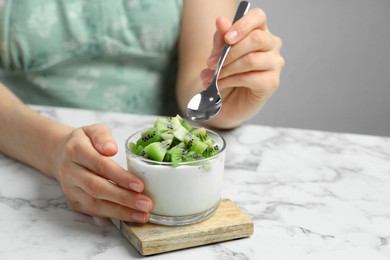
<point x="228" y="223"/>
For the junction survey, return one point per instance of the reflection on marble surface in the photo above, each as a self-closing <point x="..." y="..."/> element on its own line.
<point x="311" y="194"/>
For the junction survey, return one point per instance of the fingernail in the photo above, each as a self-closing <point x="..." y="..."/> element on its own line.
<point x="231" y="36"/>
<point x="142" y="205"/>
<point x="135" y="187"/>
<point x="108" y="146"/>
<point x="138" y="217"/>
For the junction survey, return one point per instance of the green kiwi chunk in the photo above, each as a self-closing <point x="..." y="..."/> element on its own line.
<point x="157" y="150"/>
<point x="167" y="136"/>
<point x="174" y="155"/>
<point x="210" y="151"/>
<point x="201" y="133"/>
<point x="133" y="147"/>
<point x="180" y="133"/>
<point x="136" y="149"/>
<point x="163" y="124"/>
<point x="186" y="125"/>
<point x="149" y="136"/>
<point x="176" y="122"/>
<point x="140" y="151"/>
<point x="197" y="146"/>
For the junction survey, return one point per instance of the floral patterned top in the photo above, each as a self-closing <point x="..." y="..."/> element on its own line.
<point x="117" y="55"/>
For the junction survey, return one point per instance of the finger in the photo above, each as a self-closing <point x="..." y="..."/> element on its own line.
<point x="101" y="139"/>
<point x="100" y="188"/>
<point x="254" y="19"/>
<point x="253" y="61"/>
<point x="84" y="154"/>
<point x="222" y="25"/>
<point x="92" y="206"/>
<point x="257" y="40"/>
<point x="261" y="83"/>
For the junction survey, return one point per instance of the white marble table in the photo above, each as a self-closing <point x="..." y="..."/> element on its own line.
<point x="312" y="195"/>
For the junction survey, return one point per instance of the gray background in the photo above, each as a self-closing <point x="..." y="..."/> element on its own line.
<point x="337" y="72"/>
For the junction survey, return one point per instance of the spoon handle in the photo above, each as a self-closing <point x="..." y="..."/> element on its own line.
<point x="241" y="11"/>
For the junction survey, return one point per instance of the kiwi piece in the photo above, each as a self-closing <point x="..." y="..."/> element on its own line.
<point x="189" y="137"/>
<point x="180" y="133"/>
<point x="201" y="133"/>
<point x="186" y="125"/>
<point x="157" y="150"/>
<point x="210" y="142"/>
<point x="180" y="145"/>
<point x="176" y="122"/>
<point x="136" y="149"/>
<point x="163" y="124"/>
<point x="149" y="136"/>
<point x="197" y="146"/>
<point x="167" y="136"/>
<point x="140" y="151"/>
<point x="210" y="151"/>
<point x="174" y="155"/>
<point x="133" y="147"/>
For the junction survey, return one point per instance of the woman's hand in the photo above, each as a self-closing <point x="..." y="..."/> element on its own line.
<point x="93" y="183"/>
<point x="78" y="158"/>
<point x="251" y="71"/>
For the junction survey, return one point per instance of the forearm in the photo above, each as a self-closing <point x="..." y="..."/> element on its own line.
<point x="27" y="136"/>
<point x="195" y="45"/>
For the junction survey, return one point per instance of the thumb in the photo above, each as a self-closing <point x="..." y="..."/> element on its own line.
<point x="223" y="25"/>
<point x="101" y="138"/>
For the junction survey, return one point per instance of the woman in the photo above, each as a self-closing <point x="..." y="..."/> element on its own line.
<point x="117" y="55"/>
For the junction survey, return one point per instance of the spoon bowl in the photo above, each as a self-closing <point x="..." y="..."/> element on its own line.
<point x="208" y="103"/>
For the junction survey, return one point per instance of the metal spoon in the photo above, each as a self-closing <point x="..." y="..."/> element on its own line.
<point x="208" y="103"/>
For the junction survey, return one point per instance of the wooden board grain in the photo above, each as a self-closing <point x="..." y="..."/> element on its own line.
<point x="228" y="223"/>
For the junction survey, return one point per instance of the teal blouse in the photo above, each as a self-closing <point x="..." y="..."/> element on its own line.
<point x="117" y="55"/>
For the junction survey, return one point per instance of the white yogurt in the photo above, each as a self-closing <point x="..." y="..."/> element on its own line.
<point x="184" y="190"/>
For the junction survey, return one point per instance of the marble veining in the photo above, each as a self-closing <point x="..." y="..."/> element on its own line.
<point x="311" y="194"/>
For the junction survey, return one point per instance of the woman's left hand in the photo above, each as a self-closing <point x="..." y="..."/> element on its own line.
<point x="251" y="71"/>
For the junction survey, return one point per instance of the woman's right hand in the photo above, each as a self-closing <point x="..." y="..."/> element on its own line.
<point x="94" y="183"/>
